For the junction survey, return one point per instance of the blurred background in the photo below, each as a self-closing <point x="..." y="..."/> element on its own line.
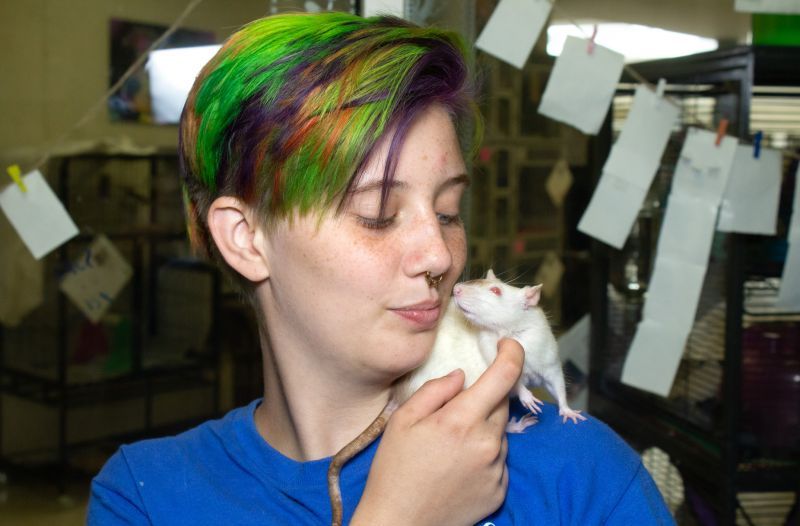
<point x="158" y="342"/>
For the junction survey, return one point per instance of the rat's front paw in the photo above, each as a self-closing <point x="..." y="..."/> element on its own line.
<point x="571" y="414"/>
<point x="531" y="403"/>
<point x="518" y="426"/>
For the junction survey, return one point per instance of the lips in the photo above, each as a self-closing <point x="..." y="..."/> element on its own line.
<point x="422" y="316"/>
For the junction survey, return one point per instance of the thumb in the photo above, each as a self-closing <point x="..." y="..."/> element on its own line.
<point x="432" y="396"/>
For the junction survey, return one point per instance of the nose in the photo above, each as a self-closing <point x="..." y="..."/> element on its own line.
<point x="457" y="290"/>
<point x="427" y="248"/>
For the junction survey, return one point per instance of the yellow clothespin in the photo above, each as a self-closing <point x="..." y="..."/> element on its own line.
<point x="16" y="174"/>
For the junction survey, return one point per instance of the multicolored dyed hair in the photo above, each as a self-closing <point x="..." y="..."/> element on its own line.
<point x="287" y="113"/>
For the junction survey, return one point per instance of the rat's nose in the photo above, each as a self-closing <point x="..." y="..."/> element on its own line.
<point x="457" y="290"/>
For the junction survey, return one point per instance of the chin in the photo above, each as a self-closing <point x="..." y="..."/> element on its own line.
<point x="412" y="354"/>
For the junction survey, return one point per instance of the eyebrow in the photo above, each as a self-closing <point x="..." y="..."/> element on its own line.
<point x="461" y="179"/>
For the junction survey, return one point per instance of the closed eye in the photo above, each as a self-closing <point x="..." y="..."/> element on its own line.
<point x="376" y="223"/>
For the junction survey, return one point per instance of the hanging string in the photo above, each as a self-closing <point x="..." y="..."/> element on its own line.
<point x="102" y="101"/>
<point x="640" y="79"/>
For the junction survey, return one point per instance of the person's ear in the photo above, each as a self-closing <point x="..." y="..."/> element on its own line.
<point x="234" y="228"/>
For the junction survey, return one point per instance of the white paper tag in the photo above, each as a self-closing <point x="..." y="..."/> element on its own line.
<point x="630" y="168"/>
<point x="513" y="30"/>
<point x="581" y="85"/>
<point x="95" y="279"/>
<point x="383" y="7"/>
<point x="37" y="215"/>
<point x="687" y="230"/>
<point x="549" y="274"/>
<point x="703" y="167"/>
<point x="789" y="293"/>
<point x="750" y="202"/>
<point x="612" y="210"/>
<point x="768" y="6"/>
<point x="674" y="292"/>
<point x="654" y="357"/>
<point x="681" y="262"/>
<point x="559" y="182"/>
<point x="573" y="345"/>
<point x="636" y="155"/>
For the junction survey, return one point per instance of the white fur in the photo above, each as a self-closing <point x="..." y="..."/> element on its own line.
<point x="456" y="347"/>
<point x="475" y="320"/>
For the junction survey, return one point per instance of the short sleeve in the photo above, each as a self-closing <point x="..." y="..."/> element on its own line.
<point x="115" y="499"/>
<point x="640" y="503"/>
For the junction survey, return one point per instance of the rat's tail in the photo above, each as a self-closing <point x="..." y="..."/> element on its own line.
<point x="349" y="451"/>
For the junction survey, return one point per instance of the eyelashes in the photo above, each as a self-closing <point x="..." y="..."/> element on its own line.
<point x="375" y="223"/>
<point x="378" y="223"/>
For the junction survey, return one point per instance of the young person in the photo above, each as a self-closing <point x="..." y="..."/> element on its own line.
<point x="323" y="162"/>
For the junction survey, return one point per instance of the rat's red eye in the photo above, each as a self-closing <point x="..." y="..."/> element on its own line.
<point x="496" y="291"/>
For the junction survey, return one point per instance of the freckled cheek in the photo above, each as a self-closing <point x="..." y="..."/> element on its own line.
<point x="457" y="244"/>
<point x="371" y="262"/>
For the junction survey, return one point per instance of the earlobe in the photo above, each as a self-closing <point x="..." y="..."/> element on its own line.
<point x="235" y="233"/>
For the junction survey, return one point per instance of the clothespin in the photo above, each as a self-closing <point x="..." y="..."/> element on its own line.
<point x="590" y="46"/>
<point x="757" y="144"/>
<point x="16" y="174"/>
<point x="721" y="129"/>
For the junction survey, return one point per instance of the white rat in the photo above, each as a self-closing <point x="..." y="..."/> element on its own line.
<point x="480" y="313"/>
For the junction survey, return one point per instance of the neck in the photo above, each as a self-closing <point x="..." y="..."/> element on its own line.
<point x="308" y="414"/>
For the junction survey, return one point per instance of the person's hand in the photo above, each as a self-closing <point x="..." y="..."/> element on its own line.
<point x="442" y="456"/>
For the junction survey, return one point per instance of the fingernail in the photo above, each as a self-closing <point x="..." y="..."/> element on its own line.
<point x="452" y="373"/>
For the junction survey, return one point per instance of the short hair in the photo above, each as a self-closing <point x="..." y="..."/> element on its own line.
<point x="287" y="113"/>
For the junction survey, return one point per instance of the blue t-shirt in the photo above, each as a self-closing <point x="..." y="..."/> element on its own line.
<point x="224" y="472"/>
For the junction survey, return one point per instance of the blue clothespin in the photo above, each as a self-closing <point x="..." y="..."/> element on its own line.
<point x="757" y="144"/>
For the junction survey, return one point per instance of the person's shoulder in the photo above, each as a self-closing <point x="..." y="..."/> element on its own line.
<point x="580" y="473"/>
<point x="589" y="444"/>
<point x="166" y="454"/>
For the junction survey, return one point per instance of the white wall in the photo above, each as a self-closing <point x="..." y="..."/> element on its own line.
<point x="54" y="58"/>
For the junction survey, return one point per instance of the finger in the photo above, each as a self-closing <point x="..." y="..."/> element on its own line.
<point x="497" y="381"/>
<point x="432" y="396"/>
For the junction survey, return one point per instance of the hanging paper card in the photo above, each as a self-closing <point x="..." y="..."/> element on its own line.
<point x="653" y="358"/>
<point x="573" y="345"/>
<point x="703" y="167"/>
<point x="750" y="202"/>
<point x="559" y="182"/>
<point x="673" y="293"/>
<point x="632" y="164"/>
<point x="37" y="215"/>
<point x="681" y="261"/>
<point x="612" y="210"/>
<point x="549" y="274"/>
<point x="383" y="7"/>
<point x="687" y="230"/>
<point x="513" y="30"/>
<point x="95" y="279"/>
<point x="637" y="152"/>
<point x="581" y="85"/>
<point x="767" y="6"/>
<point x="789" y="293"/>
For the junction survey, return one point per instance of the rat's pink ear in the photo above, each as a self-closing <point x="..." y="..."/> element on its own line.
<point x="490" y="274"/>
<point x="532" y="295"/>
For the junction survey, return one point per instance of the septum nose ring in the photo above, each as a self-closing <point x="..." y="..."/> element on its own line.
<point x="433" y="281"/>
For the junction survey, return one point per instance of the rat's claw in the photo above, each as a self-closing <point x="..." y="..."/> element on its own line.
<point x="571" y="415"/>
<point x="518" y="426"/>
<point x="531" y="403"/>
